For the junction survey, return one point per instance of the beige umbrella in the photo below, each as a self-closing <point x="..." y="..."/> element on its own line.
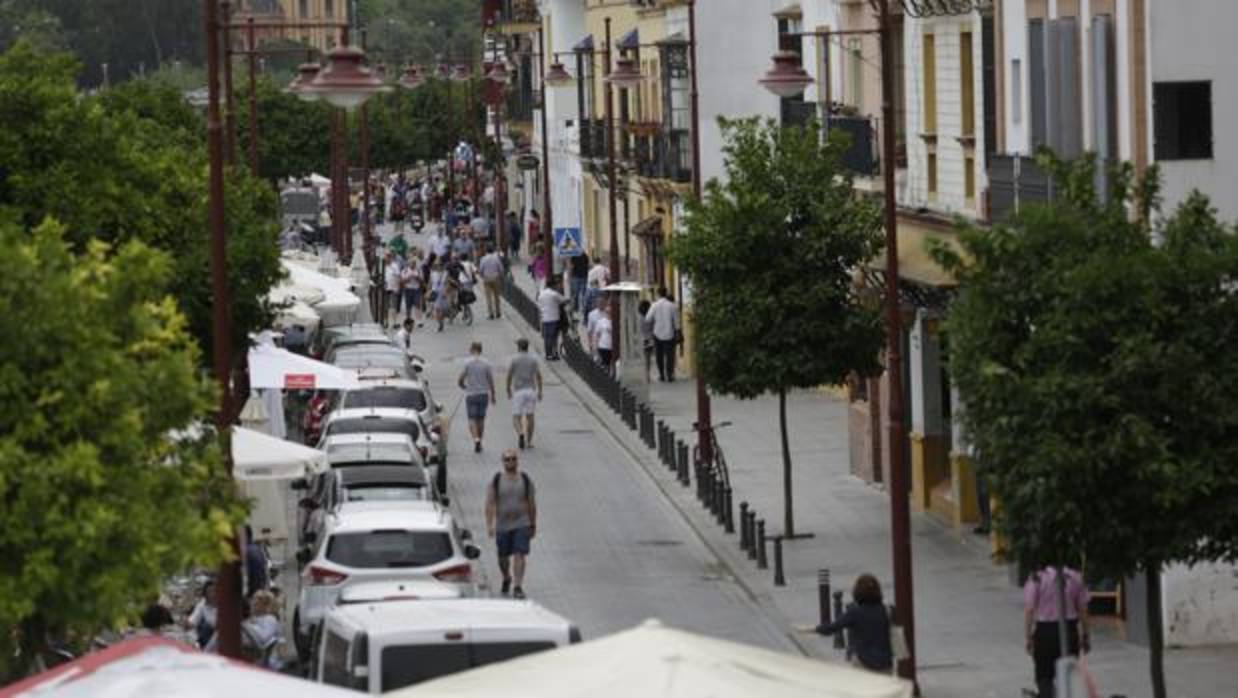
<point x="653" y="661"/>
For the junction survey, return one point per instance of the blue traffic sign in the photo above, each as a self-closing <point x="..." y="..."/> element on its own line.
<point x="568" y="242"/>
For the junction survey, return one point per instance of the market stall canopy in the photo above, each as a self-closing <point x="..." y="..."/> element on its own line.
<point x="652" y="661"/>
<point x="339" y="304"/>
<point x="156" y="666"/>
<point x="256" y="456"/>
<point x="272" y="367"/>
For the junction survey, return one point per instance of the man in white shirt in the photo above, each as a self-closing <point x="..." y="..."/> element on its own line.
<point x="491" y="269"/>
<point x="549" y="303"/>
<point x="391" y="277"/>
<point x="438" y="242"/>
<point x="603" y="338"/>
<point x="599" y="273"/>
<point x="665" y="318"/>
<point x="592" y="318"/>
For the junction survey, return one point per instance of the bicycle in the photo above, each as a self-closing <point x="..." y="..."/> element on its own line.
<point x="460" y="308"/>
<point x="719" y="466"/>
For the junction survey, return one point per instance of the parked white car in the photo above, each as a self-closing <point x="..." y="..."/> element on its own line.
<point x="380" y="647"/>
<point x="375" y="542"/>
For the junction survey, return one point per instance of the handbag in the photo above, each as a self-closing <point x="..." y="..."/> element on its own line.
<point x="467" y="297"/>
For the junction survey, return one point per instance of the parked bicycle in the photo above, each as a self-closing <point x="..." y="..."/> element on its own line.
<point x="718" y="466"/>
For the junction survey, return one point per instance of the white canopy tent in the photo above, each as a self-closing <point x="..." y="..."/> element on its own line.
<point x="653" y="661"/>
<point x="339" y="304"/>
<point x="156" y="666"/>
<point x="280" y="369"/>
<point x="265" y="468"/>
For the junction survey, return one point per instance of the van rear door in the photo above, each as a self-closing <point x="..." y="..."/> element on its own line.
<point x="444" y="652"/>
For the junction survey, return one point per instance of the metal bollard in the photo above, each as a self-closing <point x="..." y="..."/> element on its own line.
<point x="677" y="457"/>
<point x="762" y="560"/>
<point x="780" y="580"/>
<point x="750" y="523"/>
<point x="662" y="440"/>
<point x="840" y="639"/>
<point x="743" y="526"/>
<point x="708" y="472"/>
<point x="717" y="503"/>
<point x="728" y="513"/>
<point x="683" y="465"/>
<point x="823" y="596"/>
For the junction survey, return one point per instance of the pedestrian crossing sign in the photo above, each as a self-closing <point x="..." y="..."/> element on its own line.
<point x="568" y="242"/>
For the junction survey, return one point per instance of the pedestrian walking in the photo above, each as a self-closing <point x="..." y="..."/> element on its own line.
<point x="391" y="282"/>
<point x="646" y="336"/>
<point x="867" y="622"/>
<point x="604" y="339"/>
<point x="664" y="316"/>
<point x="578" y="277"/>
<point x="202" y="619"/>
<point x="513" y="234"/>
<point x="591" y="320"/>
<point x="404" y="338"/>
<point x="491" y="269"/>
<point x="410" y="286"/>
<point x="549" y="303"/>
<point x="438" y="292"/>
<point x="534" y="228"/>
<point x="538" y="268"/>
<point x="511" y="519"/>
<point x="599" y="273"/>
<point x="1042" y="607"/>
<point x="524" y="389"/>
<point x="477" y="381"/>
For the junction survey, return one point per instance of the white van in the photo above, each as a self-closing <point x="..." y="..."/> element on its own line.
<point x="379" y="647"/>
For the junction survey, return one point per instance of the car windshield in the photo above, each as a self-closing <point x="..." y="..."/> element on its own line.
<point x="399" y="454"/>
<point x="386" y="396"/>
<point x="386" y="493"/>
<point x="384" y="549"/>
<point x="373" y="425"/>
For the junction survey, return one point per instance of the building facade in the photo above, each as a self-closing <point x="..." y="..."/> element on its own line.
<point x="321" y="38"/>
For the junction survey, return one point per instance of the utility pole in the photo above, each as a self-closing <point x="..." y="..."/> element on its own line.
<point x="612" y="181"/>
<point x="704" y="419"/>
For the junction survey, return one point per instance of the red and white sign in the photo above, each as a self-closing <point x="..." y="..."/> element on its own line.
<point x="299" y="381"/>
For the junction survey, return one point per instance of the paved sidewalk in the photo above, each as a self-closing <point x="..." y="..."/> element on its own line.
<point x="968" y="614"/>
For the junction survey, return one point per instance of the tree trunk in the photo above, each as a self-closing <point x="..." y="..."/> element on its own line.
<point x="1156" y="630"/>
<point x="788" y="510"/>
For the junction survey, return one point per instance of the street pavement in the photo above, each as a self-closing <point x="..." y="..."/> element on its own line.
<point x="968" y="611"/>
<point x="610" y="551"/>
<point x="619" y="540"/>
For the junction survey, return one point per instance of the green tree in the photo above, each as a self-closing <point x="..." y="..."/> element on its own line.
<point x="1098" y="373"/>
<point x="97" y="371"/>
<point x="421" y="30"/>
<point x="770" y="253"/>
<point x="130" y="164"/>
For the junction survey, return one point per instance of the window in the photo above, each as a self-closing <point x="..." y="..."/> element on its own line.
<point x="967" y="82"/>
<point x="335" y="660"/>
<point x="411" y="664"/>
<point x="303" y="8"/>
<point x="854" y="59"/>
<point x="1182" y="118"/>
<point x="1037" y="83"/>
<point x="373" y="425"/>
<point x="389" y="549"/>
<point x="328" y="8"/>
<point x="969" y="178"/>
<point x="932" y="173"/>
<point x="1016" y="91"/>
<point x="930" y="84"/>
<point x="386" y="396"/>
<point x="490" y="652"/>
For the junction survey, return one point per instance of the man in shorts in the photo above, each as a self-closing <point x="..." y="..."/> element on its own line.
<point x="477" y="381"/>
<point x="511" y="519"/>
<point x="524" y="389"/>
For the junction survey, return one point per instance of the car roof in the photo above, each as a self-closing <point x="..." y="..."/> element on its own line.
<point x="373" y="412"/>
<point x="401" y="617"/>
<point x="405" y="590"/>
<point x="382" y="474"/>
<point x="391" y="383"/>
<point x="376" y="438"/>
<point x="419" y="515"/>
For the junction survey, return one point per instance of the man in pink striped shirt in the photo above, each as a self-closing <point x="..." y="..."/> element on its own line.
<point x="1040" y="621"/>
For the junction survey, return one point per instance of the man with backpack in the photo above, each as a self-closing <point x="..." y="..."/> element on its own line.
<point x="511" y="519"/>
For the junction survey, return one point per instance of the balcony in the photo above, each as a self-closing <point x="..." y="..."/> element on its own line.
<point x="1015" y="181"/>
<point x="663" y="155"/>
<point x="514" y="16"/>
<point x="520" y="104"/>
<point x="861" y="155"/>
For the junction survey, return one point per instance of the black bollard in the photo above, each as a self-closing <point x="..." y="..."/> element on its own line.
<point x="718" y="494"/>
<point x="762" y="560"/>
<point x="780" y="579"/>
<point x="728" y="513"/>
<point x="683" y="465"/>
<point x="750" y="523"/>
<point x="823" y="596"/>
<point x="743" y="526"/>
<point x="840" y="640"/>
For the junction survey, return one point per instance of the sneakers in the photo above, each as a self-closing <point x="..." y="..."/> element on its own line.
<point x="520" y="439"/>
<point x="477" y="446"/>
<point x="517" y="593"/>
<point x="507" y="586"/>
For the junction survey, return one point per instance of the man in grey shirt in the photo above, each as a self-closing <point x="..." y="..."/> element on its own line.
<point x="477" y="381"/>
<point x="491" y="269"/>
<point x="524" y="389"/>
<point x="511" y="519"/>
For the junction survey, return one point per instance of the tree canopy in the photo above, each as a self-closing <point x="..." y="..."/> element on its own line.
<point x="770" y="253"/>
<point x="97" y="370"/>
<point x="130" y="164"/>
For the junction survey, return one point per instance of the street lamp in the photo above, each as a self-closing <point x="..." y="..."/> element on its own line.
<point x="787" y="79"/>
<point x="346" y="82"/>
<point x="626" y="75"/>
<point x="557" y="76"/>
<point x="498" y="74"/>
<point x="306" y="73"/>
<point x="412" y="78"/>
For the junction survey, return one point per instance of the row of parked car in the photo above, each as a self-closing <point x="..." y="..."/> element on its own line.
<point x="388" y="593"/>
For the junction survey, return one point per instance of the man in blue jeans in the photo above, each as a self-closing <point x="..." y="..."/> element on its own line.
<point x="477" y="381"/>
<point x="549" y="304"/>
<point x="511" y="519"/>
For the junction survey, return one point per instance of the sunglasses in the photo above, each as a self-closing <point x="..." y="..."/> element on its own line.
<point x="509" y="459"/>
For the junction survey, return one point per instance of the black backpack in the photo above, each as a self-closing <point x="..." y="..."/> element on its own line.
<point x="528" y="487"/>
